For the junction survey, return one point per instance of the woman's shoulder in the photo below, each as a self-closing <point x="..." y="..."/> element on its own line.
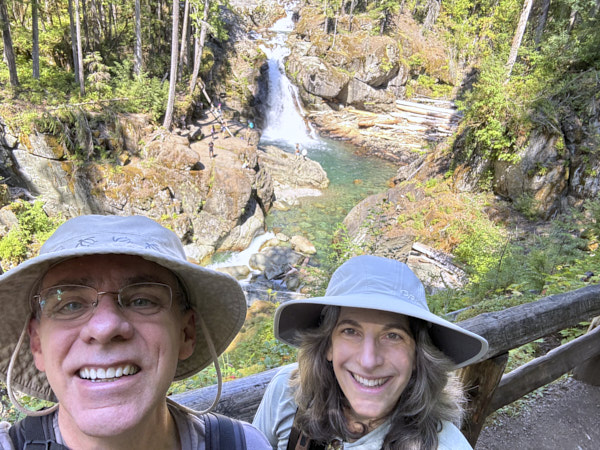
<point x="281" y="379"/>
<point x="450" y="438"/>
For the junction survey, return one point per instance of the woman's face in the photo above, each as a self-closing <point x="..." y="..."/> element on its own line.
<point x="373" y="356"/>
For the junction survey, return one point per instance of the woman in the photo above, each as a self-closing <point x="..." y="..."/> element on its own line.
<point x="373" y="366"/>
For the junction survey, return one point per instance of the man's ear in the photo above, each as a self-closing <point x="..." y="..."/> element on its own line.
<point x="35" y="343"/>
<point x="188" y="335"/>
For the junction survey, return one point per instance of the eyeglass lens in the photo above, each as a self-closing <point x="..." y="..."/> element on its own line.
<point x="69" y="301"/>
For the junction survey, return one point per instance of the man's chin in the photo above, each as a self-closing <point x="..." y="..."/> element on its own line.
<point x="103" y="422"/>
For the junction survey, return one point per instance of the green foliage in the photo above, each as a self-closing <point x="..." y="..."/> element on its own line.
<point x="257" y="351"/>
<point x="98" y="75"/>
<point x="494" y="116"/>
<point x="527" y="205"/>
<point x="481" y="244"/>
<point x="260" y="350"/>
<point x="34" y="227"/>
<point x="144" y="93"/>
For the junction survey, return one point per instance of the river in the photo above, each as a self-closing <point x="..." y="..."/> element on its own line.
<point x="352" y="177"/>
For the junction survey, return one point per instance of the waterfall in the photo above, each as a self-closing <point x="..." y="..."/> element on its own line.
<point x="285" y="121"/>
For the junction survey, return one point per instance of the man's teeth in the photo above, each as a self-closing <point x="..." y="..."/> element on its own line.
<point x="369" y="382"/>
<point x="88" y="373"/>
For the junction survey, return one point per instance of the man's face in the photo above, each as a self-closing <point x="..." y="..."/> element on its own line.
<point x="109" y="345"/>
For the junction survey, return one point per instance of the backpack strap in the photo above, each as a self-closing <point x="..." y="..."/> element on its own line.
<point x="299" y="441"/>
<point x="35" y="433"/>
<point x="223" y="433"/>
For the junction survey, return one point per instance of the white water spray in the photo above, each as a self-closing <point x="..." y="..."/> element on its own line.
<point x="285" y="120"/>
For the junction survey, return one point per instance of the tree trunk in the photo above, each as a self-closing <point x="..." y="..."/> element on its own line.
<point x="173" y="80"/>
<point x="8" y="46"/>
<point x="539" y="30"/>
<point x="73" y="42"/>
<point x="183" y="51"/>
<point x="137" y="61"/>
<point x="199" y="47"/>
<point x="516" y="43"/>
<point x="79" y="50"/>
<point x="433" y="11"/>
<point x="36" y="39"/>
<point x="352" y="6"/>
<point x="335" y="23"/>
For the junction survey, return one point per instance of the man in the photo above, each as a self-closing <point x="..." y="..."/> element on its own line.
<point x="114" y="313"/>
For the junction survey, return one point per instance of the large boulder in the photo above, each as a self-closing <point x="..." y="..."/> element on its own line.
<point x="374" y="60"/>
<point x="541" y="173"/>
<point x="362" y="95"/>
<point x="317" y="77"/>
<point x="288" y="170"/>
<point x="273" y="262"/>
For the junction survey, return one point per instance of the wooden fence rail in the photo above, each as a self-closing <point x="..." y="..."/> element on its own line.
<point x="488" y="388"/>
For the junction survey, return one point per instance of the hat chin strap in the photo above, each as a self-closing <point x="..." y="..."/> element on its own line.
<point x="9" y="373"/>
<point x="215" y="358"/>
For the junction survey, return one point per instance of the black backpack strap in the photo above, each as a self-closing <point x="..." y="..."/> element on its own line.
<point x="299" y="441"/>
<point x="35" y="433"/>
<point x="223" y="433"/>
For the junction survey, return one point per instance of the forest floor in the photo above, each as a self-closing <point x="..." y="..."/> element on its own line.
<point x="564" y="416"/>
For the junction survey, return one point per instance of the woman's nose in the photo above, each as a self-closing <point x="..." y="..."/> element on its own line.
<point x="370" y="354"/>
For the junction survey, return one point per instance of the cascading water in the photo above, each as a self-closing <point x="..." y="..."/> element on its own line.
<point x="352" y="177"/>
<point x="284" y="122"/>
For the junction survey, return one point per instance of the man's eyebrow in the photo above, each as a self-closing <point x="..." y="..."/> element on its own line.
<point x="91" y="281"/>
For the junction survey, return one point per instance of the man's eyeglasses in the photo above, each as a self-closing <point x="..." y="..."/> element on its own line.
<point x="72" y="301"/>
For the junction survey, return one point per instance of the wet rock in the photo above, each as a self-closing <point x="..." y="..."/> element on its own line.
<point x="303" y="245"/>
<point x="237" y="272"/>
<point x="275" y="261"/>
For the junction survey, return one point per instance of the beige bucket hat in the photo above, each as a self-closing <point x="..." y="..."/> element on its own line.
<point x="216" y="297"/>
<point x="384" y="284"/>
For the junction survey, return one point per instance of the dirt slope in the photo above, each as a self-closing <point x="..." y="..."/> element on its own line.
<point x="565" y="417"/>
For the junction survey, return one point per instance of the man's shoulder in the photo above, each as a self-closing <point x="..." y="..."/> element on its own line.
<point x="213" y="427"/>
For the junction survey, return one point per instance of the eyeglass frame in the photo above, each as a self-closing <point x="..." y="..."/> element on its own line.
<point x="38" y="309"/>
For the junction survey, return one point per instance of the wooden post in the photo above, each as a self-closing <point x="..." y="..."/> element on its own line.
<point x="589" y="371"/>
<point x="480" y="381"/>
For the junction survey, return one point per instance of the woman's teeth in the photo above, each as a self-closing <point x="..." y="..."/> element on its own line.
<point x="111" y="373"/>
<point x="369" y="382"/>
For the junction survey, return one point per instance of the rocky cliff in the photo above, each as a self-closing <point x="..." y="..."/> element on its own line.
<point x="213" y="204"/>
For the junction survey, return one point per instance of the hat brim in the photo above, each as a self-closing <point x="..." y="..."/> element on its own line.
<point x="215" y="296"/>
<point x="460" y="345"/>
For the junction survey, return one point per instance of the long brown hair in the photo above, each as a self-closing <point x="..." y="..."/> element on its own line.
<point x="433" y="394"/>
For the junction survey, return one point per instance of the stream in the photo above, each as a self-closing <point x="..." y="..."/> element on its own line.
<point x="352" y="177"/>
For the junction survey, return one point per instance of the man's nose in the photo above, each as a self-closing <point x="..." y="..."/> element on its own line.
<point x="107" y="321"/>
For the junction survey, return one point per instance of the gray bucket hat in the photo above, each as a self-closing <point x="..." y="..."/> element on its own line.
<point x="374" y="282"/>
<point x="216" y="297"/>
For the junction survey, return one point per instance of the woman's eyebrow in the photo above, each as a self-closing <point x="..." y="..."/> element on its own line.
<point x="351" y="322"/>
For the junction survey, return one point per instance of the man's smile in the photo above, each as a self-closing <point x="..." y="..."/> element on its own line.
<point x="107" y="374"/>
